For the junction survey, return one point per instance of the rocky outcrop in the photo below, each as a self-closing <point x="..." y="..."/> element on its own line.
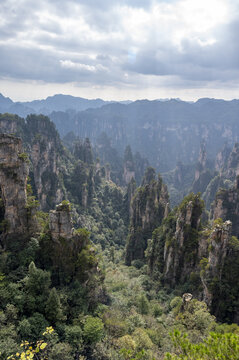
<point x="181" y="251"/>
<point x="204" y="172"/>
<point x="202" y="161"/>
<point x="128" y="175"/>
<point x="149" y="206"/>
<point x="83" y="151"/>
<point x="221" y="159"/>
<point x="60" y="222"/>
<point x="129" y="166"/>
<point x="13" y="179"/>
<point x="201" y="260"/>
<point x="46" y="154"/>
<point x="217" y="252"/>
<point x="11" y="124"/>
<point x="226" y="206"/>
<point x="231" y="166"/>
<point x="70" y="251"/>
<point x="226" y="171"/>
<point x="131" y="188"/>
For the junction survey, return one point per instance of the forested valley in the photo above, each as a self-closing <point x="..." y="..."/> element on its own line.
<point x="104" y="258"/>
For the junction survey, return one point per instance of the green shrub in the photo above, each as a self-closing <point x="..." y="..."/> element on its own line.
<point x="93" y="330"/>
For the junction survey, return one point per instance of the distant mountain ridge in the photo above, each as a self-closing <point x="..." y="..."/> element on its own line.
<point x="165" y="132"/>
<point x="58" y="102"/>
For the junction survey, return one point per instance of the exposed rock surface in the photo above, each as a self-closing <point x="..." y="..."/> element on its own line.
<point x="149" y="206"/>
<point x="13" y="179"/>
<point x="60" y="222"/>
<point x="226" y="206"/>
<point x="204" y="172"/>
<point x="202" y="260"/>
<point x="218" y="250"/>
<point x="83" y="151"/>
<point x="42" y="143"/>
<point x="202" y="161"/>
<point x="45" y="155"/>
<point x="129" y="166"/>
<point x="221" y="159"/>
<point x="180" y="252"/>
<point x="231" y="166"/>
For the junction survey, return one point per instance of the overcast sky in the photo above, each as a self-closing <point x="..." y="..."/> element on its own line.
<point x="119" y="49"/>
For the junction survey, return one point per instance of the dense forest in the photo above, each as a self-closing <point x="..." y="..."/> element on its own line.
<point x="102" y="257"/>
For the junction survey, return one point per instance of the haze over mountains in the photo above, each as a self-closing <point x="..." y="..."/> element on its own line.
<point x="163" y="131"/>
<point x="57" y="102"/>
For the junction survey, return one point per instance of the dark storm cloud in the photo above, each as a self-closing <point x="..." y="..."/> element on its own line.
<point x="89" y="41"/>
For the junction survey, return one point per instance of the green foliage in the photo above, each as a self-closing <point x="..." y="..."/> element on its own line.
<point x="38" y="350"/>
<point x="196" y="317"/>
<point x="216" y="346"/>
<point x="85" y="262"/>
<point x="61" y="351"/>
<point x="93" y="330"/>
<point x="149" y="176"/>
<point x="38" y="281"/>
<point x="147" y="213"/>
<point x="115" y="325"/>
<point x="53" y="309"/>
<point x="225" y="291"/>
<point x="142" y="339"/>
<point x="24" y="157"/>
<point x="130" y="316"/>
<point x="143" y="304"/>
<point x="197" y="205"/>
<point x="4" y="226"/>
<point x="24" y="329"/>
<point x="74" y="336"/>
<point x="65" y="205"/>
<point x="29" y="253"/>
<point x="157" y="310"/>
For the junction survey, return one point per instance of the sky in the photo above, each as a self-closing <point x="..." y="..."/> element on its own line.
<point x="119" y="49"/>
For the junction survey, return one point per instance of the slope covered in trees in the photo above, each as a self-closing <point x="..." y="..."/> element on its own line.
<point x="92" y="268"/>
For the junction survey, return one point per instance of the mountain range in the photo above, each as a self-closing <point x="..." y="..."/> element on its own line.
<point x="165" y="132"/>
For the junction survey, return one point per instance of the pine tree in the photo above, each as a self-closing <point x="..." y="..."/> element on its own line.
<point x="53" y="308"/>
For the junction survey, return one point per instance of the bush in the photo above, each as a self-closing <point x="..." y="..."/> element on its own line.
<point x="143" y="305"/>
<point x="93" y="330"/>
<point x="216" y="346"/>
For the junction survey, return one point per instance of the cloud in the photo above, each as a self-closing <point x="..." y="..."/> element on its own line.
<point x="68" y="64"/>
<point x="120" y="43"/>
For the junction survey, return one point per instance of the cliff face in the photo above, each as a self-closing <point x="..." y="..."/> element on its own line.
<point x="202" y="162"/>
<point x="42" y="143"/>
<point x="13" y="179"/>
<point x="46" y="155"/>
<point x="209" y="175"/>
<point x="204" y="172"/>
<point x="221" y="159"/>
<point x="226" y="171"/>
<point x="231" y="166"/>
<point x="203" y="261"/>
<point x="70" y="251"/>
<point x="180" y="252"/>
<point x="60" y="222"/>
<point x="149" y="206"/>
<point x="217" y="251"/>
<point x="149" y="126"/>
<point x="226" y="206"/>
<point x="129" y="166"/>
